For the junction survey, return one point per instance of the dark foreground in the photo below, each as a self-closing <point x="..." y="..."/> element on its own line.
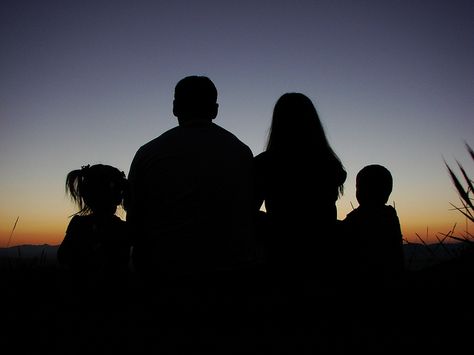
<point x="44" y="312"/>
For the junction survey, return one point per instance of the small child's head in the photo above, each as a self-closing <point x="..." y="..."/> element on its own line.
<point x="374" y="185"/>
<point x="97" y="188"/>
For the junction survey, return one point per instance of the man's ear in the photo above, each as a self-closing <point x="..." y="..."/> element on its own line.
<point x="175" y="108"/>
<point x="215" y="111"/>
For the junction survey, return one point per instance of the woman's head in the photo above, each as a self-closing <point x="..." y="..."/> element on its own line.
<point x="295" y="124"/>
<point x="96" y="189"/>
<point x="296" y="131"/>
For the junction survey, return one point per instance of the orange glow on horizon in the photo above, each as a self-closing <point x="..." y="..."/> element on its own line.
<point x="30" y="231"/>
<point x="31" y="238"/>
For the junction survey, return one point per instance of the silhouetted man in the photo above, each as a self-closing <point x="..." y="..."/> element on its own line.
<point x="191" y="192"/>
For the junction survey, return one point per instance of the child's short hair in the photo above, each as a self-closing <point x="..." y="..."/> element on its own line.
<point x="374" y="184"/>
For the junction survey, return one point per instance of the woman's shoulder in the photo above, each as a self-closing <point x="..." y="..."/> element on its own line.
<point x="261" y="156"/>
<point x="267" y="157"/>
<point x="261" y="161"/>
<point x="335" y="170"/>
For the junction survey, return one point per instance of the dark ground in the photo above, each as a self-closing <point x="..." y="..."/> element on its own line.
<point x="44" y="312"/>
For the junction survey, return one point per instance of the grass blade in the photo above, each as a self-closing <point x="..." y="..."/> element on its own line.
<point x="466" y="177"/>
<point x="469" y="149"/>
<point x="467" y="214"/>
<point x="11" y="234"/>
<point x="463" y="194"/>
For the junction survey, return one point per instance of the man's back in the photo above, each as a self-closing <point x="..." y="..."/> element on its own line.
<point x="192" y="201"/>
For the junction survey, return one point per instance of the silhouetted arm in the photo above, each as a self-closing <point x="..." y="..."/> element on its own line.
<point x="65" y="254"/>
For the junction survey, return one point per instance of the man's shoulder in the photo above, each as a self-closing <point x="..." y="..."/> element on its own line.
<point x="158" y="141"/>
<point x="232" y="139"/>
<point x="221" y="130"/>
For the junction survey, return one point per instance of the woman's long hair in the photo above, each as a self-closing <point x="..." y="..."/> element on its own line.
<point x="297" y="129"/>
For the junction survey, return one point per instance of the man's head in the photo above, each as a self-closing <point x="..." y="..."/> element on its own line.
<point x="195" y="98"/>
<point x="374" y="185"/>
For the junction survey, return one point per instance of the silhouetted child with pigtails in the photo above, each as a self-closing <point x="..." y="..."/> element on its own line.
<point x="97" y="242"/>
<point x="373" y="231"/>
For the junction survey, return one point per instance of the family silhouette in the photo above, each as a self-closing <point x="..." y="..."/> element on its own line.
<point x="202" y="212"/>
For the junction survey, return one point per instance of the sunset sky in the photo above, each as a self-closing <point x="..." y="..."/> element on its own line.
<point x="85" y="82"/>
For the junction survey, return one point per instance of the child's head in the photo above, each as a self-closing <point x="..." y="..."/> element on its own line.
<point x="97" y="188"/>
<point x="374" y="185"/>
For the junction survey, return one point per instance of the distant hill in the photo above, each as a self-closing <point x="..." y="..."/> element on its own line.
<point x="419" y="256"/>
<point x="27" y="251"/>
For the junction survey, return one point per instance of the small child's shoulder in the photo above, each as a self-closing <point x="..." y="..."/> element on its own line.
<point x="80" y="223"/>
<point x="355" y="213"/>
<point x="352" y="218"/>
<point x="390" y="211"/>
<point x="78" y="218"/>
<point x="76" y="221"/>
<point x="118" y="222"/>
<point x="117" y="219"/>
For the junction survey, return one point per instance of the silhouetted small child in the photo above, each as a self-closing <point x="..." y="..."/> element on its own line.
<point x="373" y="230"/>
<point x="97" y="242"/>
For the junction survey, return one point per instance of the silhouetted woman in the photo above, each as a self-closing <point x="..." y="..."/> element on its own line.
<point x="299" y="177"/>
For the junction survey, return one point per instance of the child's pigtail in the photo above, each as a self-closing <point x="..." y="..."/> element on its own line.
<point x="75" y="187"/>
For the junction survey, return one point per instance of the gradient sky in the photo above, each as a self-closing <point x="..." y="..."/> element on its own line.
<point x="86" y="82"/>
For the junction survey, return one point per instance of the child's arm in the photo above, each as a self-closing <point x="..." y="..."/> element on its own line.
<point x="64" y="254"/>
<point x="398" y="255"/>
<point x="66" y="248"/>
